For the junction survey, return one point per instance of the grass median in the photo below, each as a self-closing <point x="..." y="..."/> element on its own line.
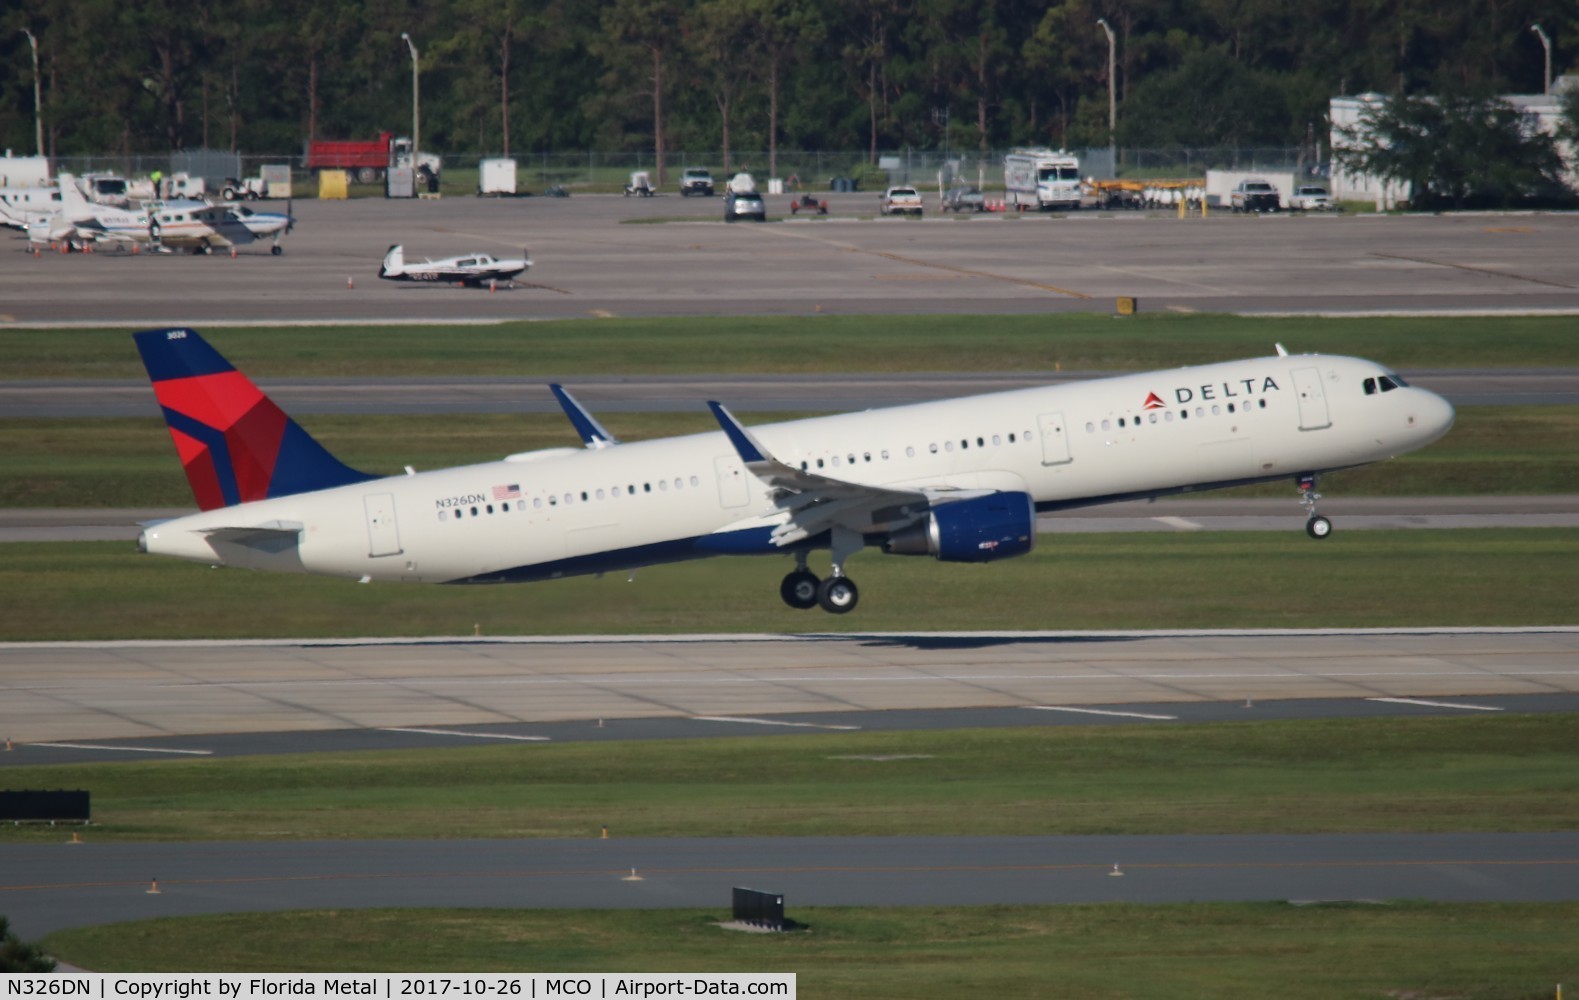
<point x="813" y="344"/>
<point x="106" y="590"/>
<point x="1516" y="773"/>
<point x="1478" y="951"/>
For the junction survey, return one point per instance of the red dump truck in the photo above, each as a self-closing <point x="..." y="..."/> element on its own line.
<point x="368" y="161"/>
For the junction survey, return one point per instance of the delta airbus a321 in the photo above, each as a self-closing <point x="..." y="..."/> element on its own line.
<point x="961" y="480"/>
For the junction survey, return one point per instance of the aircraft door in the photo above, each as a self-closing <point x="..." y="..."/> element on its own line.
<point x="1055" y="438"/>
<point x="383" y="534"/>
<point x="733" y="490"/>
<point x="1313" y="414"/>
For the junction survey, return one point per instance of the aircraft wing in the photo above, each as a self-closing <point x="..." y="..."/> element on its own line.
<point x="816" y="503"/>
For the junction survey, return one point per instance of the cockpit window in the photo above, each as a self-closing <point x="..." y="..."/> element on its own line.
<point x="1398" y="379"/>
<point x="1370" y="387"/>
<point x="1387" y="383"/>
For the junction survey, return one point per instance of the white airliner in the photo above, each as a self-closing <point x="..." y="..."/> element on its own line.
<point x="960" y="480"/>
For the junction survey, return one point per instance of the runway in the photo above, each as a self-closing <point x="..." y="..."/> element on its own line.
<point x="76" y="692"/>
<point x="52" y="886"/>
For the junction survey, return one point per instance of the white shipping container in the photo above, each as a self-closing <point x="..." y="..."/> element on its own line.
<point x="496" y="177"/>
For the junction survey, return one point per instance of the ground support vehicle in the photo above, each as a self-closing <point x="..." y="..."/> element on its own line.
<point x="744" y="205"/>
<point x="696" y="181"/>
<point x="1042" y="179"/>
<point x="965" y="198"/>
<point x="900" y="201"/>
<point x="808" y="204"/>
<point x="370" y="161"/>
<point x="1255" y="196"/>
<point x="1310" y="198"/>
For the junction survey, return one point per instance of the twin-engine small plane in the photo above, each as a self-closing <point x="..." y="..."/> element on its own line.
<point x="474" y="269"/>
<point x="961" y="480"/>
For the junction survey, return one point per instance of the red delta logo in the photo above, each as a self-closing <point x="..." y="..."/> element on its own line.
<point x="1153" y="402"/>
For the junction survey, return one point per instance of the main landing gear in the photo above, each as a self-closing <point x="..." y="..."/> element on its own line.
<point x="837" y="594"/>
<point x="1316" y="526"/>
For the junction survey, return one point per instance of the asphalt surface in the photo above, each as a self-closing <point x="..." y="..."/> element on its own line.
<point x="91" y="692"/>
<point x="594" y="258"/>
<point x="52" y="886"/>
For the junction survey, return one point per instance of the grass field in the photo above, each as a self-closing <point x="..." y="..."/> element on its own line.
<point x="131" y="463"/>
<point x="1510" y="576"/>
<point x="812" y="344"/>
<point x="1400" y="775"/>
<point x="1208" y="951"/>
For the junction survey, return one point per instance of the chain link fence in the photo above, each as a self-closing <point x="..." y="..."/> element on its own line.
<point x="597" y="171"/>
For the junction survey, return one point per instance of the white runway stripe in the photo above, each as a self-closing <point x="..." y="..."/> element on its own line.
<point x="98" y="746"/>
<point x="1437" y="704"/>
<point x="1101" y="711"/>
<point x="767" y="722"/>
<point x="461" y="732"/>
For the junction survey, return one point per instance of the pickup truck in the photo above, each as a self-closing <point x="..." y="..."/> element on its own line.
<point x="1310" y="198"/>
<point x="1255" y="196"/>
<point x="900" y="201"/>
<point x="696" y="181"/>
<point x="965" y="198"/>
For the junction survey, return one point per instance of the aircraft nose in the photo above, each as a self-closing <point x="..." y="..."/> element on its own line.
<point x="1431" y="416"/>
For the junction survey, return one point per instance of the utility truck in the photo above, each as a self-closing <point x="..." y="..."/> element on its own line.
<point x="1041" y="178"/>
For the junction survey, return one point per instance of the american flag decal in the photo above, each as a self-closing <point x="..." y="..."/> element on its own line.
<point x="511" y="492"/>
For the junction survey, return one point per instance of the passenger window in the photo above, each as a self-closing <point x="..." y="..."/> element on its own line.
<point x="948" y="445"/>
<point x="1216" y="410"/>
<point x="1121" y="421"/>
<point x="474" y="512"/>
<point x="1011" y="438"/>
<point x="663" y="484"/>
<point x="933" y="448"/>
<point x="1168" y="416"/>
<point x="443" y="515"/>
<point x="695" y="481"/>
<point x="1151" y="418"/>
<point x="600" y="494"/>
<point x="1230" y="407"/>
<point x="997" y="439"/>
<point x="1107" y="425"/>
<point x="537" y="502"/>
<point x="910" y="451"/>
<point x="964" y="443"/>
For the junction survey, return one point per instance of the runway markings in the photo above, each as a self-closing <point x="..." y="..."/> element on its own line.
<point x="1437" y="704"/>
<point x="1178" y="522"/>
<point x="100" y="746"/>
<point x="1101" y="711"/>
<point x="768" y="722"/>
<point x="462" y="732"/>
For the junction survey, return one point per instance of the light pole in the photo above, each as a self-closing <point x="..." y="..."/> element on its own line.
<point x="416" y="104"/>
<point x="1112" y="95"/>
<point x="1546" y="43"/>
<point x="38" y="102"/>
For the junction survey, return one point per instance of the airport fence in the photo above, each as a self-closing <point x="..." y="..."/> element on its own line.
<point x="815" y="170"/>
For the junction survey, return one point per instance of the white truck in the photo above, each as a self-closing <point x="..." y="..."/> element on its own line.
<point x="1041" y="178"/>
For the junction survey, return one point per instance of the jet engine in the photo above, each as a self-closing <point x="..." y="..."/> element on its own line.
<point x="978" y="530"/>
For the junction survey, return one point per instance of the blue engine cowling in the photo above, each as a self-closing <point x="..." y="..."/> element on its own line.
<point x="979" y="530"/>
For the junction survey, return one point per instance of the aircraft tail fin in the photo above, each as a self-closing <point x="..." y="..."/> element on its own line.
<point x="234" y="442"/>
<point x="71" y="197"/>
<point x="394" y="261"/>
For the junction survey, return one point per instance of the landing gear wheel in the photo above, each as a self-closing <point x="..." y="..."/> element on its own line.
<point x="1318" y="527"/>
<point x="276" y="251"/>
<point x="799" y="589"/>
<point x="838" y="595"/>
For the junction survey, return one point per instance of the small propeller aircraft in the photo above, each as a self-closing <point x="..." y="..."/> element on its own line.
<point x="77" y="224"/>
<point x="201" y="226"/>
<point x="474" y="269"/>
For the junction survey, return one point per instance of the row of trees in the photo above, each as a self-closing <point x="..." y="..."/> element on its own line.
<point x="503" y="75"/>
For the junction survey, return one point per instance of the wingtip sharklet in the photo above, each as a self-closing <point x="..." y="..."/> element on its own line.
<point x="745" y="445"/>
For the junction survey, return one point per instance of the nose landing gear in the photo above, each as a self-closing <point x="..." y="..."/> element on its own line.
<point x="1316" y="526"/>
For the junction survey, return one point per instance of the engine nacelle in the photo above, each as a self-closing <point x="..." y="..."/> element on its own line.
<point x="979" y="530"/>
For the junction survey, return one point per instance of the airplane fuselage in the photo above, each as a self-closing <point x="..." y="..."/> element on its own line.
<point x="568" y="511"/>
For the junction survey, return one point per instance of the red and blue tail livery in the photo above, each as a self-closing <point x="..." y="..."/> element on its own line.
<point x="234" y="442"/>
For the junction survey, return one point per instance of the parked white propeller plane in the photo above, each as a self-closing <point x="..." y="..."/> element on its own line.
<point x="961" y="480"/>
<point x="201" y="226"/>
<point x="475" y="269"/>
<point x="77" y="222"/>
